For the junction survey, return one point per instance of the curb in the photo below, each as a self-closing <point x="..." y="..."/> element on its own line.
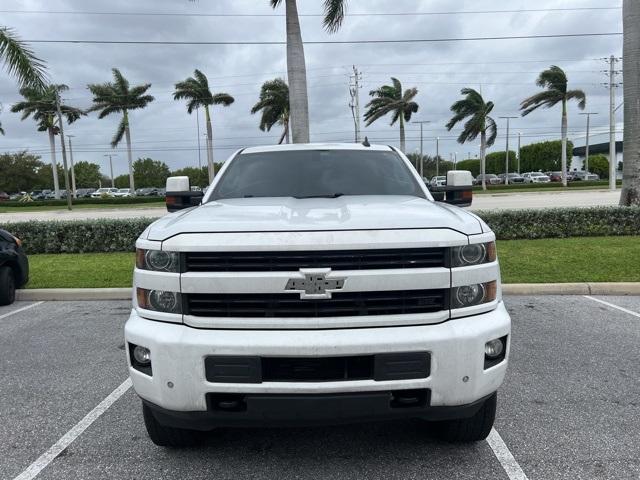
<point x="84" y="294"/>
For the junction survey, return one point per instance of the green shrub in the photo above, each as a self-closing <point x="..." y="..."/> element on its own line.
<point x="96" y="236"/>
<point x="496" y="161"/>
<point x="472" y="165"/>
<point x="598" y="164"/>
<point x="543" y="156"/>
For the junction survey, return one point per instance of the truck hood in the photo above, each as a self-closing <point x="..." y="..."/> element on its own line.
<point x="315" y="214"/>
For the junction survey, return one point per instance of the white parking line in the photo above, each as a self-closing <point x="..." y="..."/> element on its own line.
<point x="67" y="439"/>
<point x="504" y="456"/>
<point x="20" y="310"/>
<point x="630" y="312"/>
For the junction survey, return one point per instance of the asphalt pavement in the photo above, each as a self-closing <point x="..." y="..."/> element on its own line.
<point x="569" y="409"/>
<point x="492" y="201"/>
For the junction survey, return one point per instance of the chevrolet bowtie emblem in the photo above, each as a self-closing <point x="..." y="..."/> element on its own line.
<point x="315" y="284"/>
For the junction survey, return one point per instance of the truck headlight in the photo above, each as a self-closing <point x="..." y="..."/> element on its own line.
<point x="158" y="260"/>
<point x="473" y="254"/>
<point x="159" y="300"/>
<point x="471" y="295"/>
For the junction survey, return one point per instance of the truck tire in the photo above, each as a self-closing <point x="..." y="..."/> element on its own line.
<point x="7" y="286"/>
<point x="164" y="436"/>
<point x="472" y="429"/>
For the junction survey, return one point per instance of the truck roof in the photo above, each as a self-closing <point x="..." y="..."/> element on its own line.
<point x="316" y="146"/>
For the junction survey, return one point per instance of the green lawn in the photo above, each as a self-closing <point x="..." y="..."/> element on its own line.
<point x="596" y="259"/>
<point x="43" y="208"/>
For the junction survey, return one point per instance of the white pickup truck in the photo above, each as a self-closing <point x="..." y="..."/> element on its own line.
<point x="317" y="284"/>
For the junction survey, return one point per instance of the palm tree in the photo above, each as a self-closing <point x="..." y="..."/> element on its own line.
<point x="480" y="123"/>
<point x="274" y="104"/>
<point x="197" y="93"/>
<point x="334" y="11"/>
<point x="555" y="81"/>
<point x="631" y="175"/>
<point x="41" y="106"/>
<point x="391" y="99"/>
<point x="20" y="60"/>
<point x="118" y="97"/>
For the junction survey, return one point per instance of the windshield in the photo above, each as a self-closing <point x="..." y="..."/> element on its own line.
<point x="316" y="173"/>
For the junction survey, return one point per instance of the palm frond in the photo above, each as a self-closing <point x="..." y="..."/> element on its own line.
<point x="1" y="129"/>
<point x="117" y="138"/>
<point x="223" y="99"/>
<point x="121" y="84"/>
<point x="20" y="60"/>
<point x="547" y="99"/>
<point x="409" y="109"/>
<point x="578" y="95"/>
<point x="492" y="130"/>
<point x="334" y="12"/>
<point x="201" y="79"/>
<point x="553" y="78"/>
<point x="275" y="3"/>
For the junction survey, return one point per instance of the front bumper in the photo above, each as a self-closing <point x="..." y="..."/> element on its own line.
<point x="457" y="375"/>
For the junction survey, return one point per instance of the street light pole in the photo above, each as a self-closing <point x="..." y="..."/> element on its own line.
<point x="519" y="140"/>
<point x="437" y="156"/>
<point x="586" y="152"/>
<point x="73" y="171"/>
<point x="422" y="147"/>
<point x="506" y="168"/>
<point x="113" y="184"/>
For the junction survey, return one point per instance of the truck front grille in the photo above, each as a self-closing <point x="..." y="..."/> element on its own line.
<point x="293" y="261"/>
<point x="342" y="304"/>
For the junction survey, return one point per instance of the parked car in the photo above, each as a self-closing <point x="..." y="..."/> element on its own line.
<point x="535" y="177"/>
<point x="439" y="181"/>
<point x="161" y="192"/>
<point x="513" y="178"/>
<point x="39" y="194"/>
<point x="84" y="192"/>
<point x="585" y="177"/>
<point x="123" y="192"/>
<point x="4" y="196"/>
<point x="146" y="192"/>
<point x="14" y="267"/>
<point x="17" y="196"/>
<point x="104" y="192"/>
<point x="489" y="178"/>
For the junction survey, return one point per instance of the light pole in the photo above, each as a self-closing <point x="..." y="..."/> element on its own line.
<point x="422" y="147"/>
<point x="586" y="148"/>
<point x="73" y="171"/>
<point x="113" y="184"/>
<point x="506" y="168"/>
<point x="519" y="139"/>
<point x="437" y="156"/>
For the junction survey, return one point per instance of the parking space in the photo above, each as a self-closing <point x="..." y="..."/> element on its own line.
<point x="569" y="408"/>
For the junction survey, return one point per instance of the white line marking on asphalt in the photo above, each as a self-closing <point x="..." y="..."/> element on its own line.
<point x="67" y="439"/>
<point x="630" y="312"/>
<point x="20" y="310"/>
<point x="504" y="456"/>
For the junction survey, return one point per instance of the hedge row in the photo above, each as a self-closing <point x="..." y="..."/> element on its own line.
<point x="82" y="201"/>
<point x="120" y="235"/>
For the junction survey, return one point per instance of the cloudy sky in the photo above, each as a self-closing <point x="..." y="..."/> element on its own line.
<point x="505" y="71"/>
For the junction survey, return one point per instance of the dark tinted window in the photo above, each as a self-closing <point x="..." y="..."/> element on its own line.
<point x="315" y="173"/>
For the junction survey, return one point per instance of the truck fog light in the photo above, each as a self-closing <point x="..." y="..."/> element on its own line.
<point x="494" y="348"/>
<point x="163" y="301"/>
<point x="142" y="355"/>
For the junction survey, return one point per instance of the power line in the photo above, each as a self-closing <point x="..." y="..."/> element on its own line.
<point x="271" y="15"/>
<point x="330" y="42"/>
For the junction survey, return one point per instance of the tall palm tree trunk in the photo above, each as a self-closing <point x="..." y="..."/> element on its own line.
<point x="403" y="140"/>
<point x="287" y="130"/>
<point x="564" y="143"/>
<point x="297" y="74"/>
<point x="631" y="167"/>
<point x="54" y="163"/>
<point x="127" y="135"/>
<point x="483" y="157"/>
<point x="211" y="165"/>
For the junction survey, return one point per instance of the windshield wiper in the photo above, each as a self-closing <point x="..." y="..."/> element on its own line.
<point x="330" y="195"/>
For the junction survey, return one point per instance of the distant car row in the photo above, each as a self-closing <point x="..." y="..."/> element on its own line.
<point x="516" y="178"/>
<point x="86" y="193"/>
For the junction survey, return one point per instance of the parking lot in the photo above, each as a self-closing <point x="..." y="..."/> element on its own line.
<point x="570" y="407"/>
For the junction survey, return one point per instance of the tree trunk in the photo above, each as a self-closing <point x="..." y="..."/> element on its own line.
<point x="211" y="165"/>
<point x="403" y="140"/>
<point x="54" y="163"/>
<point x="297" y="74"/>
<point x="563" y="156"/>
<point x="483" y="154"/>
<point x="127" y="135"/>
<point x="287" y="129"/>
<point x="631" y="53"/>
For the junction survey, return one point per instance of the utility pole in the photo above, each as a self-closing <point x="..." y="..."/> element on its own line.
<point x="519" y="144"/>
<point x="612" y="85"/>
<point x="422" y="146"/>
<point x="73" y="172"/>
<point x="354" y="91"/>
<point x="64" y="150"/>
<point x="437" y="156"/>
<point x="113" y="184"/>
<point x="198" y="125"/>
<point x="506" y="168"/>
<point x="586" y="153"/>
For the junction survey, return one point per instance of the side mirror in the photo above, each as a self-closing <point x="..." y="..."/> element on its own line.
<point x="179" y="195"/>
<point x="458" y="191"/>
